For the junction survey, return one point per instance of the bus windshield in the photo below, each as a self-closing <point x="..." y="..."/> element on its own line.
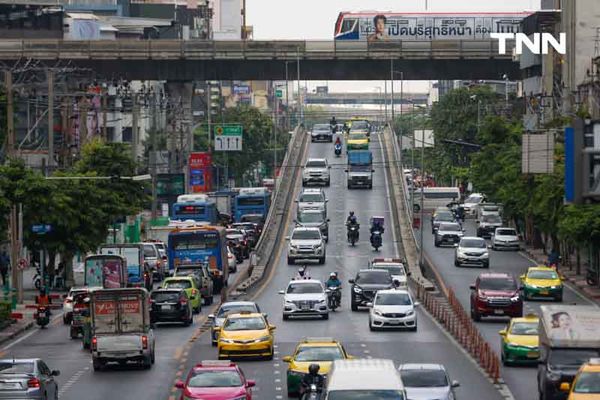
<point x="194" y="242"/>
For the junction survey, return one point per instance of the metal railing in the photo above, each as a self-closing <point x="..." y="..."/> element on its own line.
<point x="241" y="49"/>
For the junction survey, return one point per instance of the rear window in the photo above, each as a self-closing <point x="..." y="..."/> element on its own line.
<point x="178" y="284"/>
<point x="374" y="276"/>
<point x="424" y="378"/>
<point x="16" y="368"/>
<point x="150" y="251"/>
<point x="162" y="297"/>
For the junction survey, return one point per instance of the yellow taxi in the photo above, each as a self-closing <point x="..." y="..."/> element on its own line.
<point x="190" y="286"/>
<point x="542" y="282"/>
<point x="586" y="384"/>
<point x="246" y="334"/>
<point x="520" y="341"/>
<point x="357" y="141"/>
<point x="322" y="351"/>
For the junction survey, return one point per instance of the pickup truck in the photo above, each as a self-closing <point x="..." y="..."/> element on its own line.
<point x="121" y="330"/>
<point x="360" y="169"/>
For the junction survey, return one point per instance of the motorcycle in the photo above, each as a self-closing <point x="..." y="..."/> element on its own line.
<point x="353" y="233"/>
<point x="37" y="278"/>
<point x="591" y="277"/>
<point x="42" y="316"/>
<point x="334" y="297"/>
<point x="376" y="240"/>
<point x="337" y="149"/>
<point x="312" y="394"/>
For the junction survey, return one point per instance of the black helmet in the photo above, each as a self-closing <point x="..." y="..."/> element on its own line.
<point x="352" y="213"/>
<point x="313" y="369"/>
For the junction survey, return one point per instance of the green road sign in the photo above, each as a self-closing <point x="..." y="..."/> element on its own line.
<point x="228" y="130"/>
<point x="279" y="93"/>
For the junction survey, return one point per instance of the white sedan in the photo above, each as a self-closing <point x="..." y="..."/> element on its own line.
<point x="505" y="238"/>
<point x="393" y="308"/>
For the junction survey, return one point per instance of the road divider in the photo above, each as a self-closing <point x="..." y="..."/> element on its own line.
<point x="273" y="233"/>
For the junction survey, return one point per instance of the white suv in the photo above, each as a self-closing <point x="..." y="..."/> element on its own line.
<point x="505" y="238"/>
<point x="305" y="297"/>
<point x="393" y="308"/>
<point x="316" y="171"/>
<point x="312" y="199"/>
<point x="306" y="243"/>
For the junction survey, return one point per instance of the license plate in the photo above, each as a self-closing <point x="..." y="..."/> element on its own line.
<point x="500" y="312"/>
<point x="10" y="385"/>
<point x="393" y="322"/>
<point x="165" y="307"/>
<point x="533" y="354"/>
<point x="305" y="307"/>
<point x="544" y="292"/>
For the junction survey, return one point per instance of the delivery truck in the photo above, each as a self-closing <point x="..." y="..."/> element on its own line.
<point x="360" y="169"/>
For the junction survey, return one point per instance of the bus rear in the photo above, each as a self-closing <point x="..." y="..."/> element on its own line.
<point x="252" y="201"/>
<point x="200" y="245"/>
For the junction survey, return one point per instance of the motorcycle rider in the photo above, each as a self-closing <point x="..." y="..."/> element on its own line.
<point x="334" y="282"/>
<point x="352" y="221"/>
<point x="376" y="227"/>
<point x="43" y="300"/>
<point x="302" y="273"/>
<point x="333" y="124"/>
<point x="312" y="378"/>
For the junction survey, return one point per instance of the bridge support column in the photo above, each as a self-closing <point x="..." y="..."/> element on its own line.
<point x="180" y="135"/>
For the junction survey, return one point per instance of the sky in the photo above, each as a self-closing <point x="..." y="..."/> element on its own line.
<point x="315" y="20"/>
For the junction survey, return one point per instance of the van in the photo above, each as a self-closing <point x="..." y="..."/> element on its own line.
<point x="364" y="378"/>
<point x="434" y="197"/>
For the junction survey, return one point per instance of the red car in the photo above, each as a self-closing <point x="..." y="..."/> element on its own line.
<point x="216" y="380"/>
<point x="496" y="294"/>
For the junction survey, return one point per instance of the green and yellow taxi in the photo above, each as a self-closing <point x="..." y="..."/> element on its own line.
<point x="322" y="351"/>
<point x="520" y="341"/>
<point x="542" y="282"/>
<point x="245" y="334"/>
<point x="357" y="141"/>
<point x="190" y="286"/>
<point x="586" y="384"/>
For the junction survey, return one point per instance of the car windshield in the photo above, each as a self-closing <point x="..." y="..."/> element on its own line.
<point x="503" y="283"/>
<point x="444" y="217"/>
<point x="473" y="243"/>
<point x="424" y="378"/>
<point x="244" y="324"/>
<point x="587" y="382"/>
<point x="178" y="284"/>
<point x="311" y="198"/>
<point x="491" y="219"/>
<point x="474" y="199"/>
<point x="164" y="297"/>
<point x="316" y="164"/>
<point x="450" y="227"/>
<point x="313" y="353"/>
<point x="359" y="125"/>
<point x="524" y="328"/>
<point x="234" y="232"/>
<point x="570" y="357"/>
<point x="365" y="395"/>
<point x="215" y="379"/>
<point x="16" y="367"/>
<point x="393" y="299"/>
<point x="237" y="308"/>
<point x="392" y="269"/>
<point x="321" y="127"/>
<point x="506" y="232"/>
<point x="310" y="217"/>
<point x="373" y="277"/>
<point x="306" y="235"/>
<point x="357" y="136"/>
<point x="541" y="274"/>
<point x="306" y="287"/>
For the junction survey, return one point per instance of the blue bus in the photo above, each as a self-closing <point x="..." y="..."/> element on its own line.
<point x="197" y="207"/>
<point x="252" y="201"/>
<point x="197" y="244"/>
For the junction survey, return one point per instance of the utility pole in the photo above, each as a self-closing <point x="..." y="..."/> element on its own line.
<point x="300" y="105"/>
<point x="421" y="250"/>
<point x="287" y="98"/>
<point x="104" y="117"/>
<point x="51" y="165"/>
<point x="392" y="87"/>
<point x="134" y="129"/>
<point x="208" y="112"/>
<point x="154" y="142"/>
<point x="10" y="123"/>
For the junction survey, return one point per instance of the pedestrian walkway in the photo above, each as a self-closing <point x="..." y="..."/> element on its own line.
<point x="570" y="274"/>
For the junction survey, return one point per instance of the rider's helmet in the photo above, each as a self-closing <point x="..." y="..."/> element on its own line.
<point x="301" y="271"/>
<point x="313" y="369"/>
<point x="352" y="213"/>
<point x="333" y="275"/>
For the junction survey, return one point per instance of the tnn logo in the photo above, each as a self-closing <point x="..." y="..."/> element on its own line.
<point x="544" y="39"/>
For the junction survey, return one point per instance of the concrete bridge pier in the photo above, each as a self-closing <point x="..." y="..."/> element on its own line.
<point x="180" y="138"/>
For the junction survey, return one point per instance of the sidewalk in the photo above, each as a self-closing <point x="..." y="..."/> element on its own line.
<point x="592" y="292"/>
<point x="20" y="325"/>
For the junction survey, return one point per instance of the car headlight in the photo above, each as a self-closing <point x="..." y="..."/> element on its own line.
<point x="555" y="287"/>
<point x="357" y="289"/>
<point x="377" y="312"/>
<point x="515" y="298"/>
<point x="289" y="303"/>
<point x="411" y="312"/>
<point x="225" y="340"/>
<point x="485" y="254"/>
<point x="553" y="376"/>
<point x="262" y="339"/>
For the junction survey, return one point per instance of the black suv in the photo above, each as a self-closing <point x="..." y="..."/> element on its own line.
<point x="366" y="284"/>
<point x="170" y="305"/>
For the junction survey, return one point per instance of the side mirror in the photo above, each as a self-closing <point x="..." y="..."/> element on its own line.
<point x="346" y="170"/>
<point x="272" y="327"/>
<point x="287" y="238"/>
<point x="522" y="277"/>
<point x="211" y="316"/>
<point x="372" y="170"/>
<point x="55" y="372"/>
<point x="408" y="273"/>
<point x="180" y="385"/>
<point x="327" y="291"/>
<point x="455" y="384"/>
<point x="281" y="292"/>
<point x="502" y="332"/>
<point x="165" y="258"/>
<point x="455" y="244"/>
<point x="295" y="201"/>
<point x="250" y="383"/>
<point x="369" y="305"/>
<point x="472" y="287"/>
<point x="489" y="246"/>
<point x="287" y="359"/>
<point x="351" y="281"/>
<point x="295" y="221"/>
<point x="328" y="220"/>
<point x="64" y="296"/>
<point x="565" y="387"/>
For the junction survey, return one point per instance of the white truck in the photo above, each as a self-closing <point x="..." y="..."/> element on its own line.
<point x="568" y="338"/>
<point x="120" y="327"/>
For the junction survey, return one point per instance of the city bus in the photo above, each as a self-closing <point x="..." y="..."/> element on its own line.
<point x="197" y="244"/>
<point x="197" y="207"/>
<point x="434" y="197"/>
<point x="252" y="201"/>
<point x="360" y="26"/>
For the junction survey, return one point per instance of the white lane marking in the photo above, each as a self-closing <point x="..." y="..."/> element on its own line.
<point x="72" y="381"/>
<point x="566" y="284"/>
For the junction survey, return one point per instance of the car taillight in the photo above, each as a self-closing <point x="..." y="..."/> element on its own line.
<point x="144" y="342"/>
<point x="68" y="301"/>
<point x="194" y="291"/>
<point x="33" y="383"/>
<point x="94" y="343"/>
<point x="183" y="301"/>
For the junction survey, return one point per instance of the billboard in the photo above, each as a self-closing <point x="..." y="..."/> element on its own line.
<point x="200" y="173"/>
<point x="571" y="326"/>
